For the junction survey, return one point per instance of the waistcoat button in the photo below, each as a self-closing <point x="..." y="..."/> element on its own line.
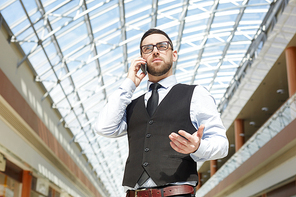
<point x="145" y="164"/>
<point x="147" y="149"/>
<point x="148" y="135"/>
<point x="150" y="122"/>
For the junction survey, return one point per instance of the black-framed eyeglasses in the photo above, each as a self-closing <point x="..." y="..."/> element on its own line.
<point x="161" y="46"/>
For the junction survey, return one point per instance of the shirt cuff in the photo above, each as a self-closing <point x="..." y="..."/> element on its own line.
<point x="128" y="85"/>
<point x="199" y="154"/>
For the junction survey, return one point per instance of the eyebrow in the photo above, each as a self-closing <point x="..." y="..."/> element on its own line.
<point x="156" y="43"/>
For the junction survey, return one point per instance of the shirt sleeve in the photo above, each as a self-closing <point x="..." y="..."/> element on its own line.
<point x="112" y="119"/>
<point x="203" y="110"/>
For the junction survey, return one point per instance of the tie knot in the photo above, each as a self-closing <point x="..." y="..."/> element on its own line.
<point x="155" y="86"/>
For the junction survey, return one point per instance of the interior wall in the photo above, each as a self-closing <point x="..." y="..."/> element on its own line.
<point x="32" y="92"/>
<point x="275" y="176"/>
<point x="14" y="147"/>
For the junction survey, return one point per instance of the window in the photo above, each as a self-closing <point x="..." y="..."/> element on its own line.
<point x="8" y="186"/>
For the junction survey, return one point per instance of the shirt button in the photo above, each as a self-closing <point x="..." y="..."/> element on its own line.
<point x="150" y="122"/>
<point x="147" y="149"/>
<point x="148" y="135"/>
<point x="145" y="164"/>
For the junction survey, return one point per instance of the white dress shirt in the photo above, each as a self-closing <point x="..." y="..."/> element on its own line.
<point x="203" y="110"/>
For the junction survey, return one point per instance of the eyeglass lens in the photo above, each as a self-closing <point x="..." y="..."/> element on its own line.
<point x="161" y="46"/>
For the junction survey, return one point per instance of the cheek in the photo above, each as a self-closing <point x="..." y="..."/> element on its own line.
<point x="149" y="58"/>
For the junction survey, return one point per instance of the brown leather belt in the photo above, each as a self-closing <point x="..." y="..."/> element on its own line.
<point x="163" y="192"/>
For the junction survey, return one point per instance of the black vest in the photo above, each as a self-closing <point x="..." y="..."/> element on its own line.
<point x="149" y="143"/>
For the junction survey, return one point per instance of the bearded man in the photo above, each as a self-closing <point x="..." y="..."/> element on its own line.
<point x="169" y="128"/>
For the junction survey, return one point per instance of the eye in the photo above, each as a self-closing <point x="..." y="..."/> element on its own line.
<point x="162" y="45"/>
<point x="147" y="47"/>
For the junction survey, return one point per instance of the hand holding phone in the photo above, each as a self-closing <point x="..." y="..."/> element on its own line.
<point x="136" y="65"/>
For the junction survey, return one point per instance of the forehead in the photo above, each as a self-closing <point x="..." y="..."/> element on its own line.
<point x="154" y="38"/>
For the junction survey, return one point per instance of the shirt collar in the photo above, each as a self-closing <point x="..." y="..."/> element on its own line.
<point x="166" y="82"/>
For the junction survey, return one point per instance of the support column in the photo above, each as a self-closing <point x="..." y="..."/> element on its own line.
<point x="239" y="134"/>
<point x="213" y="167"/>
<point x="199" y="180"/>
<point x="27" y="182"/>
<point x="291" y="69"/>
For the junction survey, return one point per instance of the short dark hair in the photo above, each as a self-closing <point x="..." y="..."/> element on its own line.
<point x="155" y="31"/>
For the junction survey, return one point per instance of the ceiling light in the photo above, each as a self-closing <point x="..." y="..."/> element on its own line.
<point x="252" y="123"/>
<point x="280" y="91"/>
<point x="264" y="109"/>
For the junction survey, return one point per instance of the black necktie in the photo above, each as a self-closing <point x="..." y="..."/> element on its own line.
<point x="153" y="100"/>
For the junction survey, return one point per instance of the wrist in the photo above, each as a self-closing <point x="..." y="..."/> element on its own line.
<point x="128" y="85"/>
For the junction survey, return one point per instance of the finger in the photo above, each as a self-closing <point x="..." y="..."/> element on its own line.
<point x="136" y="63"/>
<point x="133" y="71"/>
<point x="176" y="148"/>
<point x="191" y="139"/>
<point x="181" y="145"/>
<point x="178" y="139"/>
<point x="136" y="67"/>
<point x="185" y="134"/>
<point x="141" y="76"/>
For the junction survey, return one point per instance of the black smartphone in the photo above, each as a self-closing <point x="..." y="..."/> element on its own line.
<point x="144" y="68"/>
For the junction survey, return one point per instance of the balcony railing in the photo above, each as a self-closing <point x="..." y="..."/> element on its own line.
<point x="275" y="124"/>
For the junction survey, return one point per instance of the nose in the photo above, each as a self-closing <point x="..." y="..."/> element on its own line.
<point x="155" y="50"/>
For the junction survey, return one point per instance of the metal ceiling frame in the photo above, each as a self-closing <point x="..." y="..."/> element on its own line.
<point x="123" y="33"/>
<point x="237" y="20"/>
<point x="181" y="28"/>
<point x="204" y="40"/>
<point x="154" y="13"/>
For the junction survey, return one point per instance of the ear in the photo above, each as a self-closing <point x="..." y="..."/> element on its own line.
<point x="175" y="55"/>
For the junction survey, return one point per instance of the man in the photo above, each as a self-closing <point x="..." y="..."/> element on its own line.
<point x="167" y="139"/>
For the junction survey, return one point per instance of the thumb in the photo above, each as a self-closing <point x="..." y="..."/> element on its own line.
<point x="200" y="130"/>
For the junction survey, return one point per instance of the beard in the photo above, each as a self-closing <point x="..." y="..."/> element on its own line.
<point x="159" y="72"/>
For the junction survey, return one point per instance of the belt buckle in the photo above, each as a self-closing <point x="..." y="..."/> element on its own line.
<point x="136" y="192"/>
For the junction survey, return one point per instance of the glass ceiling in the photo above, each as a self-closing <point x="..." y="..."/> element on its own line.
<point x="81" y="50"/>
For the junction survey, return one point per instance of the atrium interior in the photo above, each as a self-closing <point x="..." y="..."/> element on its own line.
<point x="60" y="60"/>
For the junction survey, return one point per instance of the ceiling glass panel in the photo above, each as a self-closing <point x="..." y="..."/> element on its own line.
<point x="80" y="51"/>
